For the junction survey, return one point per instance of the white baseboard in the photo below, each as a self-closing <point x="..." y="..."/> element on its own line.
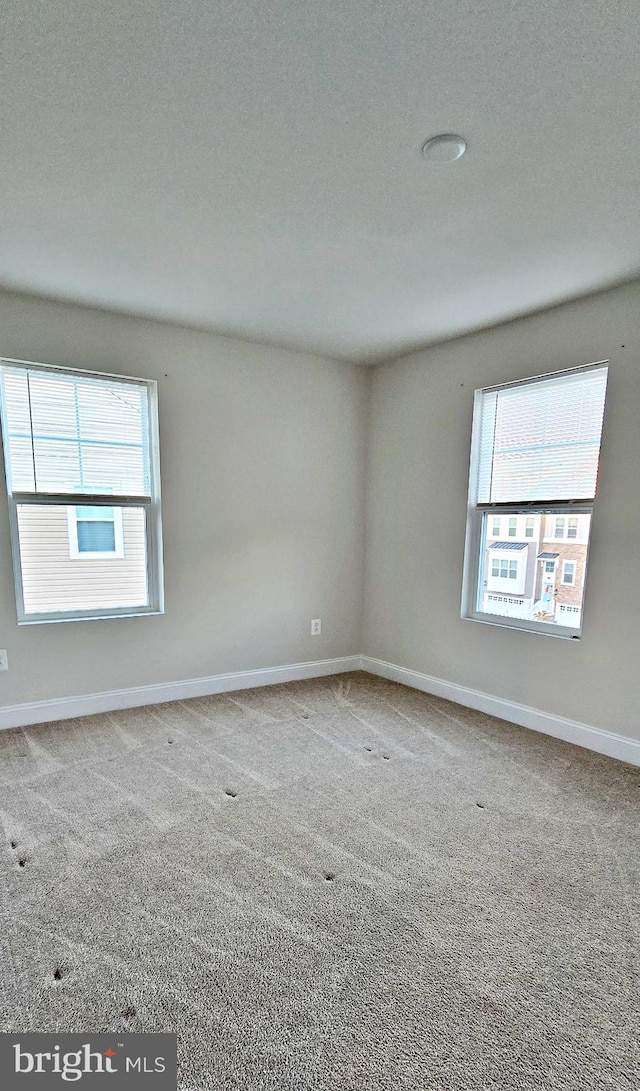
<point x="65" y="708"/>
<point x="593" y="738"/>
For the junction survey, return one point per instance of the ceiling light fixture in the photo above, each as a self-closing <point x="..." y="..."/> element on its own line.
<point x="444" y="148"/>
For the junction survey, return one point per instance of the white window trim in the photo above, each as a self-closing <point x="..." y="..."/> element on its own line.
<point x="76" y="554"/>
<point x="563" y="580"/>
<point x="499" y="559"/>
<point x="150" y="503"/>
<point x="476" y="538"/>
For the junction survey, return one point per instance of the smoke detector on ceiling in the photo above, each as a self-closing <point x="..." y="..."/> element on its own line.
<point x="444" y="148"/>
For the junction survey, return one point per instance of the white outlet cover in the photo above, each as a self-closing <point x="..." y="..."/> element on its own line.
<point x="4" y="660"/>
<point x="316" y="627"/>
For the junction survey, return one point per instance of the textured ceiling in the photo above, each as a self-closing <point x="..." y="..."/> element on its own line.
<point x="254" y="166"/>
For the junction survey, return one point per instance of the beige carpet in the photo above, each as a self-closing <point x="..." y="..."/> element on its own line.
<point x="337" y="884"/>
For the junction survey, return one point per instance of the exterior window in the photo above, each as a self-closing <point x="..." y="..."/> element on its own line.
<point x="504" y="569"/>
<point x="535" y="454"/>
<point x="81" y="463"/>
<point x="495" y="528"/>
<point x="95" y="532"/>
<point x="569" y="572"/>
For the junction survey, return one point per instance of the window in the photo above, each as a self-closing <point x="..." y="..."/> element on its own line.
<point x="81" y="461"/>
<point x="495" y="528"/>
<point x="504" y="569"/>
<point x="569" y="572"/>
<point x="95" y="532"/>
<point x="535" y="454"/>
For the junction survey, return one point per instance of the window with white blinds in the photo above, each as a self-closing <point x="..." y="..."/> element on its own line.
<point x="541" y="440"/>
<point x="81" y="461"/>
<point x="535" y="457"/>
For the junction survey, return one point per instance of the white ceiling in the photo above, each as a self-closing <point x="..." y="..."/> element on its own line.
<point x="254" y="166"/>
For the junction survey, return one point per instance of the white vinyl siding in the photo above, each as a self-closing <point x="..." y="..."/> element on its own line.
<point x="506" y="571"/>
<point x="55" y="581"/>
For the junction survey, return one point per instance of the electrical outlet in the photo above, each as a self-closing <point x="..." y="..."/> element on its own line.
<point x="316" y="626"/>
<point x="4" y="660"/>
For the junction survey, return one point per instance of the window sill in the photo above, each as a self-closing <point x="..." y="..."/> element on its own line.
<point x="559" y="632"/>
<point x="97" y="616"/>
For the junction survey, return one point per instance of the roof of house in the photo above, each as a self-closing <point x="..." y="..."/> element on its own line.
<point x="508" y="545"/>
<point x="547" y="556"/>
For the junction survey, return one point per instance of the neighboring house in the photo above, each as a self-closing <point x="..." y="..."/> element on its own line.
<point x="561" y="578"/>
<point x="76" y="558"/>
<point x="535" y="566"/>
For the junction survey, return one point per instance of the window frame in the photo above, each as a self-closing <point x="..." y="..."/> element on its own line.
<point x="77" y="554"/>
<point x="150" y="504"/>
<point x="507" y="563"/>
<point x="564" y="582"/>
<point x="478" y="514"/>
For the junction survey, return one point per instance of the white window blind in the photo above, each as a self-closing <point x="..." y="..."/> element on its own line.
<point x="71" y="433"/>
<point x="541" y="440"/>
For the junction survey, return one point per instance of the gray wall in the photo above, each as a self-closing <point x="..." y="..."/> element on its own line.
<point x="419" y="441"/>
<point x="262" y="460"/>
<point x="263" y="471"/>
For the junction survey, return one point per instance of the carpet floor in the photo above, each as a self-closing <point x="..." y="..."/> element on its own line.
<point x="341" y="884"/>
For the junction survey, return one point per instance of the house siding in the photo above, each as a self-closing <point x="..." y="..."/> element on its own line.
<point x="54" y="581"/>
